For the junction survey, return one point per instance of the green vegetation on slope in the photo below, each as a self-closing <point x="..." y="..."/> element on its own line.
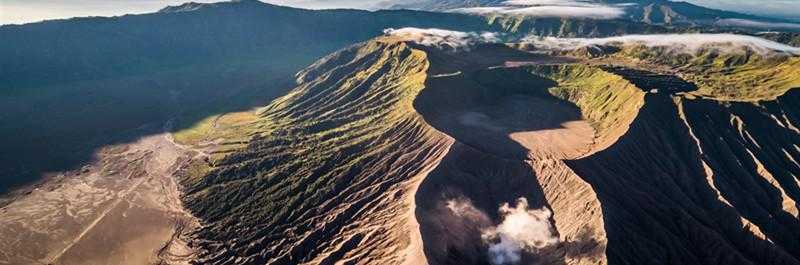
<point x="96" y="81"/>
<point x="607" y="100"/>
<point x="570" y="27"/>
<point x="321" y="164"/>
<point x="740" y="75"/>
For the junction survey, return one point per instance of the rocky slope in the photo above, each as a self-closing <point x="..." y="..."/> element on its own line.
<point x="333" y="169"/>
<point x="392" y="152"/>
<point x="331" y="172"/>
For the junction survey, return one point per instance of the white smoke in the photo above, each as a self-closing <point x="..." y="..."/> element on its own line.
<point x="522" y="229"/>
<point x="463" y="207"/>
<point x="443" y="39"/>
<point x="736" y="22"/>
<point x="685" y="43"/>
<point x="550" y="8"/>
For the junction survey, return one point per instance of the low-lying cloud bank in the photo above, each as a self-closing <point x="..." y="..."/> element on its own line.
<point x="443" y="39"/>
<point x="680" y="43"/>
<point x="735" y="22"/>
<point x="550" y="8"/>
<point x="686" y="43"/>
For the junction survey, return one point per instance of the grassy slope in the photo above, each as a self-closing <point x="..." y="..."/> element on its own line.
<point x="312" y="183"/>
<point x="735" y="76"/>
<point x="109" y="76"/>
<point x="323" y="157"/>
<point x="607" y="100"/>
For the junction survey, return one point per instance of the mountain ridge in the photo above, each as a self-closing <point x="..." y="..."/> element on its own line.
<point x="659" y="12"/>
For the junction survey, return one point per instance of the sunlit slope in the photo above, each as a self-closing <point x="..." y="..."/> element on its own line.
<point x="331" y="171"/>
<point x="110" y="75"/>
<point x="608" y="101"/>
<point x="365" y="159"/>
<point x="738" y="74"/>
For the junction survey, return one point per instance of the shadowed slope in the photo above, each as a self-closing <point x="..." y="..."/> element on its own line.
<point x="658" y="204"/>
<point x="511" y="134"/>
<point x="332" y="170"/>
<point x="752" y="151"/>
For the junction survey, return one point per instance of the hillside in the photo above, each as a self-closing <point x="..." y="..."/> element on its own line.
<point x="109" y="76"/>
<point x="388" y="149"/>
<point x="248" y="133"/>
<point x="326" y="159"/>
<point x="342" y="151"/>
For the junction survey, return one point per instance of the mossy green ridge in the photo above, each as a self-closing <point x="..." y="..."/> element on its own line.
<point x="328" y="162"/>
<point x="607" y="100"/>
<point x="734" y="75"/>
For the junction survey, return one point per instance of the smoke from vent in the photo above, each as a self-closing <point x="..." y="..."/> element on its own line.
<point x="521" y="229"/>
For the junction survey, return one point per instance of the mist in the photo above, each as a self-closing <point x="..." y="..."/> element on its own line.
<point x="756" y="24"/>
<point x="550" y="8"/>
<point x="684" y="43"/>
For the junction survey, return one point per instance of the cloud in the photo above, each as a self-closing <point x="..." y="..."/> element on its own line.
<point x="684" y="43"/>
<point x="443" y="39"/>
<point x="550" y="8"/>
<point x="547" y="2"/>
<point x="735" y="22"/>
<point x="521" y="229"/>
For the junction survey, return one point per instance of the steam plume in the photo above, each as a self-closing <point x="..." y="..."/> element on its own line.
<point x="522" y="229"/>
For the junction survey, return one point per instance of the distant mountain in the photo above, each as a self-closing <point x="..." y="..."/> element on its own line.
<point x="661" y="12"/>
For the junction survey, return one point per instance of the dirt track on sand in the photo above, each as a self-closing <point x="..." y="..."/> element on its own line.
<point x="124" y="208"/>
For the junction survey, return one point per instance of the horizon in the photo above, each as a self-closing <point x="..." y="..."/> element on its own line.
<point x="31" y="11"/>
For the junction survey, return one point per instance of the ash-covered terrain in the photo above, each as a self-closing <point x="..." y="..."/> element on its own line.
<point x="247" y="133"/>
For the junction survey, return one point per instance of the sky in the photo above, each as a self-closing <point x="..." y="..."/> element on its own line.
<point x="781" y="8"/>
<point x="25" y="11"/>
